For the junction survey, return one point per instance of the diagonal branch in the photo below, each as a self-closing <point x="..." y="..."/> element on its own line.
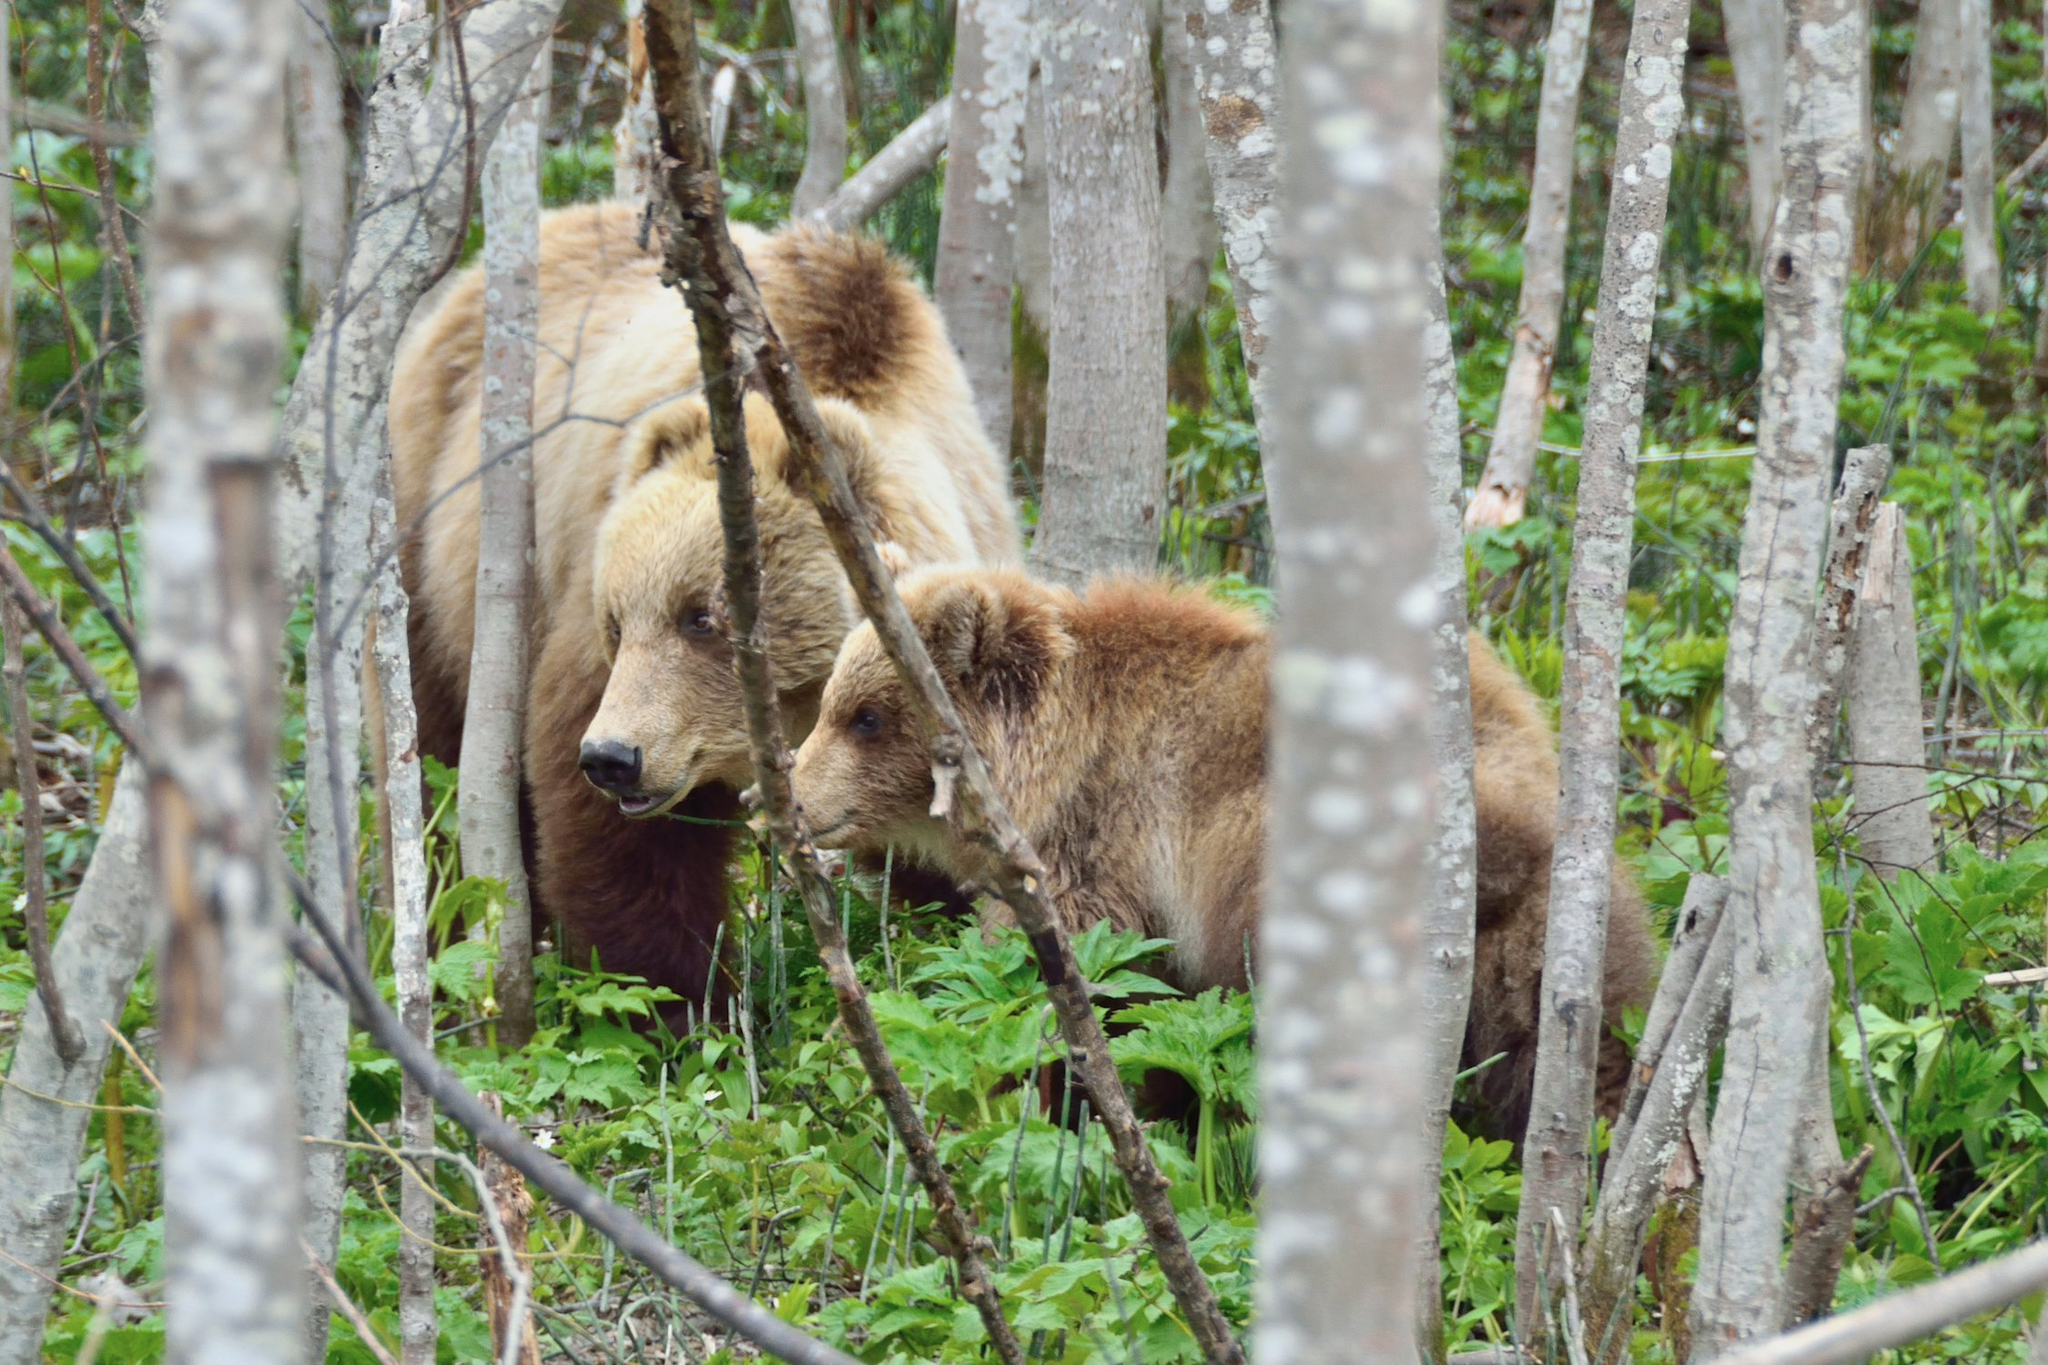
<point x="34" y="876"/>
<point x="960" y="779"/>
<point x="701" y="258"/>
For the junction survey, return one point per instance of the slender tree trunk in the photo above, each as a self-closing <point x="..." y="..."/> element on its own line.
<point x="634" y="138"/>
<point x="1103" y="502"/>
<point x="1779" y="1001"/>
<point x="1525" y="393"/>
<point x="1187" y="200"/>
<point x="214" y="350"/>
<point x="984" y="163"/>
<point x="1979" y="138"/>
<point x="1557" y="1149"/>
<point x="488" y="804"/>
<point x="817" y="55"/>
<point x="1756" y="48"/>
<point x="1237" y="78"/>
<point x="106" y="933"/>
<point x="320" y="142"/>
<point x="1927" y="127"/>
<point x="406" y="859"/>
<point x="1449" y="918"/>
<point x="1342" y="939"/>
<point x="1887" y="744"/>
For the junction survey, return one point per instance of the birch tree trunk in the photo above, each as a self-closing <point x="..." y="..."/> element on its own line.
<point x="406" y="853"/>
<point x="1342" y="939"/>
<point x="1557" y="1150"/>
<point x="636" y="136"/>
<point x="1237" y="77"/>
<point x="1104" y="494"/>
<point x="984" y="165"/>
<point x="1927" y="126"/>
<point x="817" y="55"/>
<point x="106" y="933"/>
<point x="1186" y="201"/>
<point x="1887" y="741"/>
<point x="1525" y="393"/>
<point x="488" y="802"/>
<point x="213" y="352"/>
<point x="320" y="143"/>
<point x="1779" y="1000"/>
<point x="1756" y="49"/>
<point x="1449" y="918"/>
<point x="1979" y="138"/>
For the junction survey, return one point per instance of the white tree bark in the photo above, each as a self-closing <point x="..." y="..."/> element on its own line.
<point x="213" y="352"/>
<point x="1032" y="237"/>
<point x="1927" y="126"/>
<point x="1887" y="740"/>
<point x="1556" y="1153"/>
<point x="488" y="802"/>
<point x="1187" y="216"/>
<point x="320" y="142"/>
<point x="1979" y="138"/>
<point x="636" y="137"/>
<point x="1237" y="76"/>
<point x="909" y="154"/>
<point x="1353" y="770"/>
<point x="1525" y="393"/>
<point x="1778" y="1002"/>
<point x="1449" y="919"/>
<point x="407" y="861"/>
<point x="1864" y="471"/>
<point x="1756" y="49"/>
<point x="817" y="55"/>
<point x="984" y="164"/>
<point x="1103" y="501"/>
<point x="106" y="933"/>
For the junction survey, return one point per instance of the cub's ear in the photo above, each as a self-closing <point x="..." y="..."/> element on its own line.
<point x="894" y="557"/>
<point x="677" y="430"/>
<point x="994" y="636"/>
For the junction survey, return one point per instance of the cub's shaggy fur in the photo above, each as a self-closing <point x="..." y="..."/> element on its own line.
<point x="1127" y="731"/>
<point x="627" y="642"/>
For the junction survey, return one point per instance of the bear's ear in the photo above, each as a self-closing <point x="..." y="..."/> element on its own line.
<point x="994" y="637"/>
<point x="673" y="431"/>
<point x="894" y="558"/>
<point x="854" y="440"/>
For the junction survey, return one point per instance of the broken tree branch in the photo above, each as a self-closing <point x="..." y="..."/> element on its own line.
<point x="1019" y="875"/>
<point x="909" y="154"/>
<point x="1864" y="471"/>
<point x="704" y="264"/>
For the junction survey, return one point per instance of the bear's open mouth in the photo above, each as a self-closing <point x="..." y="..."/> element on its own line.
<point x="640" y="807"/>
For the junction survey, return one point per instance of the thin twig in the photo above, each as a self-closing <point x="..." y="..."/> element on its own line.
<point x="1018" y="874"/>
<point x="679" y="1271"/>
<point x="102" y="164"/>
<point x="51" y="628"/>
<point x="701" y="258"/>
<point x="365" y="1333"/>
<point x="38" y="521"/>
<point x="35" y="883"/>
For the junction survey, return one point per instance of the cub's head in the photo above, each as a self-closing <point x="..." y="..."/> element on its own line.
<point x="864" y="777"/>
<point x="672" y="718"/>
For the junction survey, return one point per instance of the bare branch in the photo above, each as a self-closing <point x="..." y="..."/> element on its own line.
<point x="909" y="154"/>
<point x="704" y="264"/>
<point x="1020" y="876"/>
<point x="1916" y="1313"/>
<point x="35" y="884"/>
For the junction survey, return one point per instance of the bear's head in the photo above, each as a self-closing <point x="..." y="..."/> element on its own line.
<point x="672" y="718"/>
<point x="864" y="777"/>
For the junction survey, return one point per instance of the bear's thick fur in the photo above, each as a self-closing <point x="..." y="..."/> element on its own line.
<point x="627" y="649"/>
<point x="1127" y="731"/>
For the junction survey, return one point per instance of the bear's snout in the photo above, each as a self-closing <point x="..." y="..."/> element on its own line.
<point x="610" y="765"/>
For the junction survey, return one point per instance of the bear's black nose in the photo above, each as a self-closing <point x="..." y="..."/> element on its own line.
<point x="610" y="765"/>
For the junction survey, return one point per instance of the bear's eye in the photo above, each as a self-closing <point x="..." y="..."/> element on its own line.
<point x="697" y="622"/>
<point x="865" y="723"/>
<point x="611" y="632"/>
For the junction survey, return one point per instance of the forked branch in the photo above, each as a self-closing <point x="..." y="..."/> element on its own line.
<point x="1018" y="874"/>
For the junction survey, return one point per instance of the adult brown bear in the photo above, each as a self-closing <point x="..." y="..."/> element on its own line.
<point x="632" y="709"/>
<point x="1126" y="730"/>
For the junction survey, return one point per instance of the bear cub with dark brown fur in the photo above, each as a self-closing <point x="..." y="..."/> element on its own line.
<point x="1127" y="731"/>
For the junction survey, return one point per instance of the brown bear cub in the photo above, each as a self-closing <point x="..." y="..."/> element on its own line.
<point x="1127" y="731"/>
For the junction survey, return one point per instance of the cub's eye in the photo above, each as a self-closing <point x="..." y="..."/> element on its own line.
<point x="697" y="622"/>
<point x="611" y="632"/>
<point x="866" y="723"/>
